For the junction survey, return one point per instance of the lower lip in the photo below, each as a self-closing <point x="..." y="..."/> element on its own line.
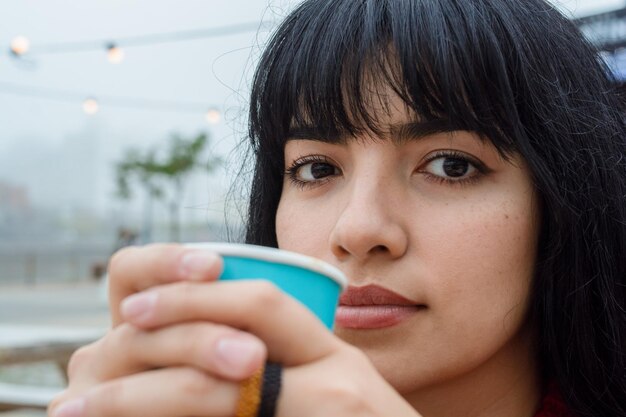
<point x="373" y="316"/>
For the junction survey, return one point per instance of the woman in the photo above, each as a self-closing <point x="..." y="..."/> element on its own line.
<point x="462" y="161"/>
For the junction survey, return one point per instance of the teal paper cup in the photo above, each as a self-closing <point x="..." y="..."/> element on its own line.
<point x="313" y="282"/>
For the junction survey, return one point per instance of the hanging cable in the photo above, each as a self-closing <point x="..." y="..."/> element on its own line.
<point x="91" y="103"/>
<point x="142" y="40"/>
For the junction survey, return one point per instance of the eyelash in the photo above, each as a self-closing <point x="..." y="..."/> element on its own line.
<point x="292" y="171"/>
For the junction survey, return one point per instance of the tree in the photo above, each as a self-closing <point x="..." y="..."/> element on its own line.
<point x="141" y="167"/>
<point x="164" y="178"/>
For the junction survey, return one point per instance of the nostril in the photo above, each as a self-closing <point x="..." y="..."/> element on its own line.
<point x="340" y="252"/>
<point x="363" y="239"/>
<point x="379" y="249"/>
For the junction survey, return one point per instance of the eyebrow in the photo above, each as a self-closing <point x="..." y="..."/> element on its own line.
<point x="398" y="133"/>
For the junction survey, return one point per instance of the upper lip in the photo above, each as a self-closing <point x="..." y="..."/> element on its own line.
<point x="372" y="294"/>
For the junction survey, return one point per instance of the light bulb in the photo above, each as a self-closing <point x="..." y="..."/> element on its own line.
<point x="20" y="45"/>
<point x="213" y="116"/>
<point x="90" y="106"/>
<point x="115" y="54"/>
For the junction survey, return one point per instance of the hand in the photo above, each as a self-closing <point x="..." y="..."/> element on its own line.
<point x="133" y="359"/>
<point x="322" y="375"/>
<point x="136" y="268"/>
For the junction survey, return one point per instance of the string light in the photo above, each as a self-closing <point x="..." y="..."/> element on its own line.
<point x="143" y="40"/>
<point x="20" y="45"/>
<point x="213" y="116"/>
<point x="90" y="106"/>
<point x="115" y="54"/>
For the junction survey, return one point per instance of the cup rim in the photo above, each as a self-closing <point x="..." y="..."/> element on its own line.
<point x="266" y="253"/>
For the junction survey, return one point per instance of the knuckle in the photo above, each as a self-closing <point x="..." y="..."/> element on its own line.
<point x="124" y="334"/>
<point x="347" y="396"/>
<point x="185" y="293"/>
<point x="119" y="339"/>
<point x="202" y="338"/>
<point x="193" y="382"/>
<point x="120" y="256"/>
<point x="163" y="251"/>
<point x="79" y="358"/>
<point x="182" y="289"/>
<point x="266" y="294"/>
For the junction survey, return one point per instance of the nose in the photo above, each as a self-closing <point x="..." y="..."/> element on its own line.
<point x="370" y="224"/>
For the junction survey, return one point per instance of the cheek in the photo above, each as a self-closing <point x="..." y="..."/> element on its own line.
<point x="481" y="262"/>
<point x="299" y="228"/>
<point x="477" y="263"/>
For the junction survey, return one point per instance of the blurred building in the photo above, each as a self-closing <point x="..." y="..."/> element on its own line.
<point x="15" y="205"/>
<point x="607" y="31"/>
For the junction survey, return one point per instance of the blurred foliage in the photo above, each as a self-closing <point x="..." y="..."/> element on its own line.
<point x="162" y="175"/>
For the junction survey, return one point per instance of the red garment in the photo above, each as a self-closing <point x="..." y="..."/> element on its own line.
<point x="553" y="405"/>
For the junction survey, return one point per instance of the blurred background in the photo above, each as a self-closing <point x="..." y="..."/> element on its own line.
<point x="124" y="122"/>
<point x="102" y="104"/>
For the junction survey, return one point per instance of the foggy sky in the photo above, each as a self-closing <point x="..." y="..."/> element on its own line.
<point x="63" y="156"/>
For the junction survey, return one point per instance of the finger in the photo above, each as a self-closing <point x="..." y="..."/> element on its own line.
<point x="137" y="268"/>
<point x="223" y="351"/>
<point x="166" y="392"/>
<point x="292" y="334"/>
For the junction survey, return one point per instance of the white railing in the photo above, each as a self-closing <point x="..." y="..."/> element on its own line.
<point x="62" y="263"/>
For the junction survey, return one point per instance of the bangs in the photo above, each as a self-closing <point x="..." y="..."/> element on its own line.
<point x="329" y="62"/>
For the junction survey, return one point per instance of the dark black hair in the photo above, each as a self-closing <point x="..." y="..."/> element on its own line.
<point x="516" y="72"/>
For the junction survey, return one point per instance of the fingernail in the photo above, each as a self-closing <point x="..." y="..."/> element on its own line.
<point x="72" y="408"/>
<point x="236" y="354"/>
<point x="196" y="263"/>
<point x="139" y="307"/>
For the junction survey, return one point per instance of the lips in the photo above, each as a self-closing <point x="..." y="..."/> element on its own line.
<point x="372" y="295"/>
<point x="373" y="307"/>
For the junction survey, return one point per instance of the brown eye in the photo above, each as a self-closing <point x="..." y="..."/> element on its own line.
<point x="451" y="167"/>
<point x="454" y="167"/>
<point x="316" y="170"/>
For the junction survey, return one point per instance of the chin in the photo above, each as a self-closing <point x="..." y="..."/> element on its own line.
<point x="395" y="360"/>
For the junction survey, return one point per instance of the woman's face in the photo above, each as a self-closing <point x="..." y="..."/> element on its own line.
<point x="440" y="219"/>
